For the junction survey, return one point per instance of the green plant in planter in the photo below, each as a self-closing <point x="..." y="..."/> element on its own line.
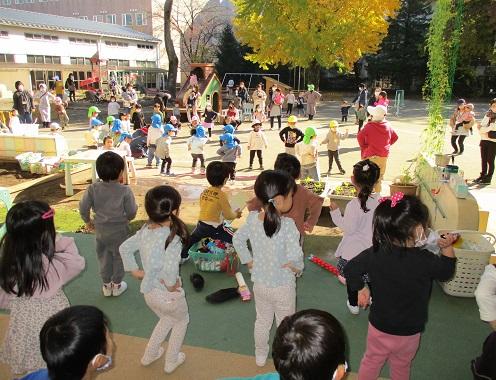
<point x="307" y="181"/>
<point x="407" y="177"/>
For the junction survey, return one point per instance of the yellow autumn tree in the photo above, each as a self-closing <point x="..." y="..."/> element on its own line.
<point x="312" y="33"/>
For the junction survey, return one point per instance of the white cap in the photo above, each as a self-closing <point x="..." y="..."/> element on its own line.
<point x="378" y="112"/>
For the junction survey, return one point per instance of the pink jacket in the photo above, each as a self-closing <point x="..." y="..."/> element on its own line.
<point x="376" y="138"/>
<point x="66" y="264"/>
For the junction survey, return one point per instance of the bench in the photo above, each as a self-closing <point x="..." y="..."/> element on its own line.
<point x="47" y="145"/>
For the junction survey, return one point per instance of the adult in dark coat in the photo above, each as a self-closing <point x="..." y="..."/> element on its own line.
<point x="23" y="103"/>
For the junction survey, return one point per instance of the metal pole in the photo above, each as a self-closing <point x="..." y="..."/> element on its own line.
<point x="299" y="78"/>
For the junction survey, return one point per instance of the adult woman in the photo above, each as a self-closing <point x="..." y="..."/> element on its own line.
<point x="192" y="102"/>
<point x="70" y="85"/>
<point x="276" y="108"/>
<point x="458" y="133"/>
<point x="312" y="98"/>
<point x="44" y="98"/>
<point x="487" y="130"/>
<point x="23" y="103"/>
<point x="259" y="97"/>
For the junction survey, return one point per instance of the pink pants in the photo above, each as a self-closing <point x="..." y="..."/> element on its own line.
<point x="398" y="350"/>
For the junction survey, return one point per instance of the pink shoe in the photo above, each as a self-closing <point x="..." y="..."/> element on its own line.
<point x="342" y="280"/>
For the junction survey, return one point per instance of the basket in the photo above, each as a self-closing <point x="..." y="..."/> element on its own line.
<point x="470" y="264"/>
<point x="226" y="261"/>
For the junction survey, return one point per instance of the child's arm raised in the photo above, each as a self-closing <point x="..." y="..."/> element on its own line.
<point x="352" y="212"/>
<point x="240" y="239"/>
<point x="443" y="267"/>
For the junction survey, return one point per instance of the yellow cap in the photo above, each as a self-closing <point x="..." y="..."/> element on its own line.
<point x="333" y="124"/>
<point x="292" y="119"/>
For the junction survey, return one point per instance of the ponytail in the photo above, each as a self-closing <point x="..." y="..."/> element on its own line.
<point x="272" y="220"/>
<point x="363" y="196"/>
<point x="366" y="174"/>
<point x="177" y="228"/>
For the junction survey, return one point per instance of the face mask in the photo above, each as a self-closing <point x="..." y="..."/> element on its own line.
<point x="106" y="365"/>
<point x="421" y="240"/>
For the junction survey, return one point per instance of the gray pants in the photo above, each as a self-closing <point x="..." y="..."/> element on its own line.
<point x="108" y="240"/>
<point x="290" y="150"/>
<point x="310" y="171"/>
<point x="151" y="154"/>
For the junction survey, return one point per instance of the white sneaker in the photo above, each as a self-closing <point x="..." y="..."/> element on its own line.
<point x="193" y="170"/>
<point x="118" y="289"/>
<point x="147" y="361"/>
<point x="171" y="367"/>
<point x="107" y="289"/>
<point x="261" y="361"/>
<point x="355" y="310"/>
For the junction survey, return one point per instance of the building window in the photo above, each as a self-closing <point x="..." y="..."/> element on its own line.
<point x="115" y="43"/>
<point x="127" y="19"/>
<point x="46" y="37"/>
<point x="44" y="76"/>
<point x="6" y="2"/>
<point x="98" y="18"/>
<point x="149" y="64"/>
<point x="4" y="58"/>
<point x="111" y="19"/>
<point x="118" y="62"/>
<point x="81" y="41"/>
<point x="140" y="19"/>
<point x="83" y="17"/>
<point x="44" y="59"/>
<point x="141" y="46"/>
<point x="80" y="61"/>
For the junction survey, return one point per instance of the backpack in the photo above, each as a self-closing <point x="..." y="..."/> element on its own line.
<point x="278" y="99"/>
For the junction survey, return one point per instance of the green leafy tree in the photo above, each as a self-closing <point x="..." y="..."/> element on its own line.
<point x="402" y="51"/>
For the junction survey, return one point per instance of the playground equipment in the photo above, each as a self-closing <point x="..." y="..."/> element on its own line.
<point x="399" y="101"/>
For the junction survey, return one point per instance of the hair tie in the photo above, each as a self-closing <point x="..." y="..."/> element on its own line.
<point x="365" y="167"/>
<point x="395" y="198"/>
<point x="271" y="200"/>
<point x="48" y="214"/>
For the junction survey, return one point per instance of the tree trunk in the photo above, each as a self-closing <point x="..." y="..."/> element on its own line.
<point x="169" y="48"/>
<point x="313" y="74"/>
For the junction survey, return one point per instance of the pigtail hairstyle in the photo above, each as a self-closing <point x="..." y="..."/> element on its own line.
<point x="161" y="205"/>
<point x="30" y="236"/>
<point x="395" y="222"/>
<point x="270" y="184"/>
<point x="366" y="173"/>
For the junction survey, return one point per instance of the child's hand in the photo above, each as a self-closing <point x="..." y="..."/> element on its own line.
<point x="138" y="274"/>
<point x="333" y="206"/>
<point x="238" y="213"/>
<point x="292" y="268"/>
<point x="364" y="297"/>
<point x="447" y="240"/>
<point x="250" y="265"/>
<point x="89" y="227"/>
<point x="307" y="227"/>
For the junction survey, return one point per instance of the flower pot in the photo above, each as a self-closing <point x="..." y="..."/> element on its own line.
<point x="442" y="159"/>
<point x="410" y="189"/>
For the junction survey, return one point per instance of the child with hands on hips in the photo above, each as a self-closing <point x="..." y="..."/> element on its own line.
<point x="33" y="272"/>
<point x="400" y="271"/>
<point x="356" y="223"/>
<point x="276" y="255"/>
<point x="159" y="243"/>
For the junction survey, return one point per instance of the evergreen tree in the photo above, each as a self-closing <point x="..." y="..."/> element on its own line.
<point x="402" y="55"/>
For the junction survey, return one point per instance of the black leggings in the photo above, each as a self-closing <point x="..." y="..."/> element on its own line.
<point x="259" y="155"/>
<point x="460" y="138"/>
<point x="290" y="109"/>
<point x="344" y="118"/>
<point x="197" y="157"/>
<point x="488" y="153"/>
<point x="334" y="155"/>
<point x="272" y="121"/>
<point x="167" y="161"/>
<point x="232" y="170"/>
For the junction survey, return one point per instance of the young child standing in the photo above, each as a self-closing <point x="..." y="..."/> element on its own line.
<point x="345" y="109"/>
<point x="114" y="206"/>
<point x="214" y="209"/>
<point x="230" y="151"/>
<point x="108" y="143"/>
<point x="196" y="144"/>
<point x="259" y="114"/>
<point x="276" y="255"/>
<point x="257" y="142"/>
<point x="163" y="150"/>
<point x="159" y="243"/>
<point x="176" y="111"/>
<point x="61" y="112"/>
<point x="356" y="223"/>
<point x="138" y="120"/>
<point x="333" y="140"/>
<point x="14" y="121"/>
<point x="113" y="107"/>
<point x="361" y="115"/>
<point x="401" y="274"/>
<point x="125" y="141"/>
<point x="300" y="104"/>
<point x="309" y="154"/>
<point x="291" y="135"/>
<point x="93" y="113"/>
<point x="209" y="116"/>
<point x="154" y="133"/>
<point x="32" y="274"/>
<point x="290" y="101"/>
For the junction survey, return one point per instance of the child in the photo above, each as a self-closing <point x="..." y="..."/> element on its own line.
<point x="125" y="122"/>
<point x="308" y="345"/>
<point x="291" y="135"/>
<point x="259" y="114"/>
<point x="154" y="133"/>
<point x="113" y="107"/>
<point x="138" y="120"/>
<point x="125" y="141"/>
<point x="195" y="122"/>
<point x="44" y="98"/>
<point x="467" y="117"/>
<point x="382" y="99"/>
<point x="116" y="130"/>
<point x="333" y="140"/>
<point x="196" y="144"/>
<point x="276" y="255"/>
<point x="361" y="115"/>
<point x="32" y="273"/>
<point x="300" y="104"/>
<point x="93" y="112"/>
<point x="230" y="151"/>
<point x="209" y="117"/>
<point x="309" y="155"/>
<point x="61" y="112"/>
<point x="401" y="275"/>
<point x="176" y="111"/>
<point x="75" y="344"/>
<point x="175" y="123"/>
<point x="306" y="204"/>
<point x="214" y="209"/>
<point x="157" y="110"/>
<point x="228" y="130"/>
<point x="256" y="143"/>
<point x="345" y="108"/>
<point x="233" y="113"/>
<point x="290" y="100"/>
<point x="14" y="122"/>
<point x="159" y="243"/>
<point x="192" y="103"/>
<point x="108" y="142"/>
<point x="163" y="149"/>
<point x="356" y="223"/>
<point x="114" y="206"/>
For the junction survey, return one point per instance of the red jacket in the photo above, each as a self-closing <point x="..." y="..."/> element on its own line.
<point x="376" y="138"/>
